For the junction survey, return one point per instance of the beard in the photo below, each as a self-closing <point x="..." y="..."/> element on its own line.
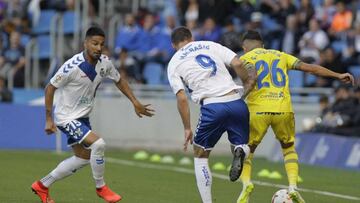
<point x="96" y="55"/>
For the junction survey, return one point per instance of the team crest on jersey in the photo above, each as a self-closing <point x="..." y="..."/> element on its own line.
<point x="58" y="78"/>
<point x="102" y="72"/>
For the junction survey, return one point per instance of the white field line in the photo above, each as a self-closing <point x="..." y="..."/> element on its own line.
<point x="221" y="176"/>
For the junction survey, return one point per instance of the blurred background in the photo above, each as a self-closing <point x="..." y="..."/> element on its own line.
<point x="38" y="36"/>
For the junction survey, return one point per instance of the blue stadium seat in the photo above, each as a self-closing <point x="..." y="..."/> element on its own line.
<point x="269" y="23"/>
<point x="24" y="39"/>
<point x="316" y="3"/>
<point x="153" y="73"/>
<point x="69" y="19"/>
<point x="44" y="45"/>
<point x="310" y="79"/>
<point x="338" y="46"/>
<point x="296" y="78"/>
<point x="355" y="70"/>
<point x="43" y="26"/>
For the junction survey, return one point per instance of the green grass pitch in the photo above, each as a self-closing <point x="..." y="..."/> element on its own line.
<point x="147" y="182"/>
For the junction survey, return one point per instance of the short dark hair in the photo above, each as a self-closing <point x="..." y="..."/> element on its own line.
<point x="180" y="34"/>
<point x="94" y="31"/>
<point x="252" y="35"/>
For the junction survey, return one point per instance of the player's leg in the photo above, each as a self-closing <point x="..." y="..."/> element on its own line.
<point x="208" y="132"/>
<point x="97" y="163"/>
<point x="259" y="123"/>
<point x="68" y="166"/>
<point x="284" y="128"/>
<point x="237" y="126"/>
<point x="203" y="173"/>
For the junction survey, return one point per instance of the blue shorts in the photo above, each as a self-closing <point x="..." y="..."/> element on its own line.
<point x="216" y="118"/>
<point x="76" y="130"/>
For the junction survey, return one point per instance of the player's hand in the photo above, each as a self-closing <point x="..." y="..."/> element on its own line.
<point x="141" y="110"/>
<point x="50" y="127"/>
<point x="188" y="138"/>
<point x="347" y="78"/>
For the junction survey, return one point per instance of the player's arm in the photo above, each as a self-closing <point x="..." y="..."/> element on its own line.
<point x="184" y="111"/>
<point x="140" y="109"/>
<point x="247" y="74"/>
<point x="324" y="72"/>
<point x="50" y="126"/>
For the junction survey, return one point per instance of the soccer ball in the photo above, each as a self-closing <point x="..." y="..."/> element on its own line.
<point x="281" y="196"/>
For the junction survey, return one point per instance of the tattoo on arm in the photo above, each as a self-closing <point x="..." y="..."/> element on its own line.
<point x="251" y="80"/>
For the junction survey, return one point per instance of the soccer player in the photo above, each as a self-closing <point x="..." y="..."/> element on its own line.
<point x="200" y="66"/>
<point x="76" y="83"/>
<point x="270" y="105"/>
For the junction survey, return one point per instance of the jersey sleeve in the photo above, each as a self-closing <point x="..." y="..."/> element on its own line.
<point x="247" y="59"/>
<point x="63" y="76"/>
<point x="112" y="73"/>
<point x="225" y="53"/>
<point x="174" y="79"/>
<point x="291" y="61"/>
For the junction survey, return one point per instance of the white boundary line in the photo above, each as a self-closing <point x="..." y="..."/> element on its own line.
<point x="221" y="176"/>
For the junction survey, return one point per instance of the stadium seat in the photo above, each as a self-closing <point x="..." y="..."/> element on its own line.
<point x="269" y="23"/>
<point x="316" y="3"/>
<point x="24" y="39"/>
<point x="44" y="23"/>
<point x="296" y="78"/>
<point x="69" y="19"/>
<point x="355" y="70"/>
<point x="310" y="79"/>
<point x="338" y="46"/>
<point x="153" y="73"/>
<point x="44" y="46"/>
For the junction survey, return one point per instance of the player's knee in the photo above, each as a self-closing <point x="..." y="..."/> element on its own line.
<point x="200" y="152"/>
<point x="98" y="147"/>
<point x="286" y="145"/>
<point x="252" y="148"/>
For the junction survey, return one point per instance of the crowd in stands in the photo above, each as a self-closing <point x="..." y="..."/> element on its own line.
<point x="325" y="32"/>
<point x="342" y="116"/>
<point x="16" y="20"/>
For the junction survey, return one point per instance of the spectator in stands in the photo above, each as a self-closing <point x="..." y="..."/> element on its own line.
<point x="305" y="13"/>
<point x="192" y="11"/>
<point x="230" y="38"/>
<point x="256" y="23"/>
<point x="210" y="31"/>
<point x="338" y="118"/>
<point x="149" y="49"/>
<point x="268" y="7"/>
<point x="193" y="26"/>
<point x="2" y="10"/>
<point x="342" y="20"/>
<point x="325" y="13"/>
<point x="291" y="36"/>
<point x="243" y="11"/>
<point x="352" y="52"/>
<point x="324" y="105"/>
<point x="128" y="68"/>
<point x="164" y="39"/>
<point x="12" y="61"/>
<point x="329" y="58"/>
<point x="313" y="41"/>
<point x="128" y="36"/>
<point x="286" y="9"/>
<point x="5" y="93"/>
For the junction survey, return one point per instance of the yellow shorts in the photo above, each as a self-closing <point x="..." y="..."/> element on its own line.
<point x="282" y="123"/>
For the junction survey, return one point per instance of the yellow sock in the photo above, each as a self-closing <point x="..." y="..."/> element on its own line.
<point x="246" y="172"/>
<point x="291" y="164"/>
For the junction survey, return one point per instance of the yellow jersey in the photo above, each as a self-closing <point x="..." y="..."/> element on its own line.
<point x="271" y="92"/>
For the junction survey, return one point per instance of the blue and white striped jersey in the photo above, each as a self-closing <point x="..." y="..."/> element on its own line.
<point x="77" y="82"/>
